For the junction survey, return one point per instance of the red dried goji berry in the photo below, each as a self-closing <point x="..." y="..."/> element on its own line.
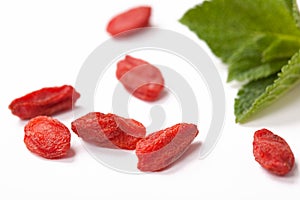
<point x="272" y="152"/>
<point x="160" y="149"/>
<point x="137" y="17"/>
<point x="140" y="78"/>
<point x="109" y="130"/>
<point x="46" y="101"/>
<point x="47" y="137"/>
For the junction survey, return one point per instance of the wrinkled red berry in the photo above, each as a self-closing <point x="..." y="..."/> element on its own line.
<point x="272" y="152"/>
<point x="137" y="17"/>
<point x="160" y="149"/>
<point x="140" y="78"/>
<point x="46" y="101"/>
<point x="47" y="137"/>
<point x="109" y="130"/>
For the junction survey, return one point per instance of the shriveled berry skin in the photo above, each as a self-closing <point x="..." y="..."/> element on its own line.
<point x="47" y="137"/>
<point x="140" y="78"/>
<point x="109" y="130"/>
<point x="137" y="17"/>
<point x="160" y="149"/>
<point x="46" y="101"/>
<point x="272" y="152"/>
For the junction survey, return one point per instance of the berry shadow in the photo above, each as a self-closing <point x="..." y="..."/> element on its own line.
<point x="290" y="178"/>
<point x="70" y="154"/>
<point x="68" y="158"/>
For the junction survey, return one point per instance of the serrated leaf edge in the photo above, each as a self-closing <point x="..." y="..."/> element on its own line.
<point x="268" y="96"/>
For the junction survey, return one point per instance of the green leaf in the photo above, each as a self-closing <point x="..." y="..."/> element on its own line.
<point x="290" y="4"/>
<point x="280" y="49"/>
<point x="257" y="72"/>
<point x="293" y="7"/>
<point x="257" y="95"/>
<point x="247" y="62"/>
<point x="256" y="38"/>
<point x="248" y="94"/>
<point x="248" y="27"/>
<point x="295" y="11"/>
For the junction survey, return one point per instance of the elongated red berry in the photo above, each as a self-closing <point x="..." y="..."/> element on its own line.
<point x="160" y="149"/>
<point x="137" y="17"/>
<point x="47" y="137"/>
<point x="109" y="130"/>
<point x="46" y="101"/>
<point x="140" y="78"/>
<point x="272" y="152"/>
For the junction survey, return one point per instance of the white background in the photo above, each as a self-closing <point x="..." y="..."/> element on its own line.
<point x="44" y="44"/>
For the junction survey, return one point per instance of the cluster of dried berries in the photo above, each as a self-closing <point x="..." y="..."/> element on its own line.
<point x="44" y="135"/>
<point x="49" y="138"/>
<point x="155" y="151"/>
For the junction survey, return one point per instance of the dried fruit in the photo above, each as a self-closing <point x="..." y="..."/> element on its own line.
<point x="140" y="78"/>
<point x="46" y="101"/>
<point x="137" y="17"/>
<point x="272" y="152"/>
<point x="109" y="130"/>
<point x="47" y="137"/>
<point x="160" y="149"/>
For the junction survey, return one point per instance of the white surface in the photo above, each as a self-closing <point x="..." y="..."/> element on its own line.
<point x="45" y="43"/>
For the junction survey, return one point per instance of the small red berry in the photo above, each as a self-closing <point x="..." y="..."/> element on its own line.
<point x="272" y="152"/>
<point x="46" y="101"/>
<point x="160" y="149"/>
<point x="140" y="78"/>
<point x="137" y="17"/>
<point x="47" y="137"/>
<point x="109" y="130"/>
